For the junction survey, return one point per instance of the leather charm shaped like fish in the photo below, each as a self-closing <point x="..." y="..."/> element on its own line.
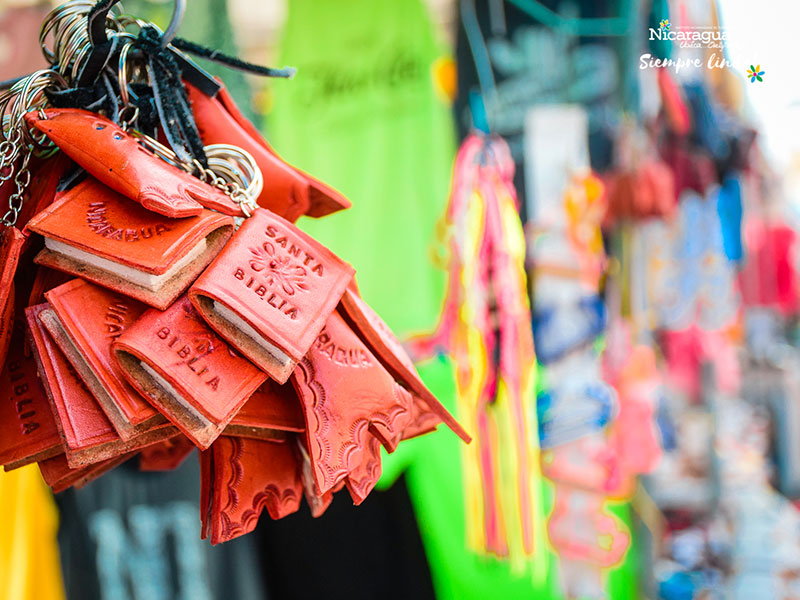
<point x="118" y="160"/>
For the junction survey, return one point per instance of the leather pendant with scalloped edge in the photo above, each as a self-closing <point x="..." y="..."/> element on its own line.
<point x="244" y="476"/>
<point x="346" y="394"/>
<point x="380" y="339"/>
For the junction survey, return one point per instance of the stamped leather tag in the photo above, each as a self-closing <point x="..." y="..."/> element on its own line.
<point x="87" y="433"/>
<point x="186" y="371"/>
<point x="118" y="160"/>
<point x="84" y="320"/>
<point x="347" y="395"/>
<point x="28" y="431"/>
<point x="288" y="192"/>
<point x="269" y="292"/>
<point x="247" y="476"/>
<point x="93" y="232"/>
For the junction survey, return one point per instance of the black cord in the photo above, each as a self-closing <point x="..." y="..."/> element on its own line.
<point x="231" y="61"/>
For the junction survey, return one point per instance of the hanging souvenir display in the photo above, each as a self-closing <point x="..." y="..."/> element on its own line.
<point x="170" y="301"/>
<point x="485" y="326"/>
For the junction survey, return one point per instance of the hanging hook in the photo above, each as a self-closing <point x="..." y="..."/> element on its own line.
<point x="174" y="23"/>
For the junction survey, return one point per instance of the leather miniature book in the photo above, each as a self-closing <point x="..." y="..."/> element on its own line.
<point x="118" y="160"/>
<point x="57" y="473"/>
<point x="84" y="320"/>
<point x="186" y="371"/>
<point x="383" y="343"/>
<point x="28" y="432"/>
<point x="270" y="412"/>
<point x="97" y="234"/>
<point x="241" y="477"/>
<point x="269" y="292"/>
<point x="289" y="192"/>
<point x="347" y="397"/>
<point x="87" y="433"/>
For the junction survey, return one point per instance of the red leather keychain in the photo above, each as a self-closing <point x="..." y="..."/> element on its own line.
<point x="345" y="393"/>
<point x="97" y="234"/>
<point x="385" y="346"/>
<point x="87" y="434"/>
<point x="271" y="411"/>
<point x="28" y="432"/>
<point x="84" y="320"/>
<point x="117" y="159"/>
<point x="290" y="193"/>
<point x="11" y="242"/>
<point x="57" y="473"/>
<point x="186" y="371"/>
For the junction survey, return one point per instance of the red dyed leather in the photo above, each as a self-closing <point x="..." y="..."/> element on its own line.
<point x="272" y="409"/>
<point x="45" y="280"/>
<point x="287" y="192"/>
<point x="361" y="480"/>
<point x="166" y="455"/>
<point x="281" y="281"/>
<point x="41" y="193"/>
<point x="92" y="318"/>
<point x="86" y="432"/>
<point x="98" y="220"/>
<point x="200" y="367"/>
<point x="317" y="503"/>
<point x="347" y="397"/>
<point x="28" y="432"/>
<point x="119" y="161"/>
<point x="57" y="473"/>
<point x="6" y="323"/>
<point x="244" y="476"/>
<point x="380" y="339"/>
<point x="11" y="241"/>
<point x="422" y="421"/>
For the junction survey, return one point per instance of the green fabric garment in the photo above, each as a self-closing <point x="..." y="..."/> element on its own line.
<point x="362" y="114"/>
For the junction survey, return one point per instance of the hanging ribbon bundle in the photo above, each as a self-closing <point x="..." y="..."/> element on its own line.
<point x="486" y="327"/>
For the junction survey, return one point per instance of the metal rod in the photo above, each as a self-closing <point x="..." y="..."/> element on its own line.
<point x="175" y="22"/>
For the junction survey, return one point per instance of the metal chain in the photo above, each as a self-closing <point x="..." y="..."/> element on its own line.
<point x="21" y="182"/>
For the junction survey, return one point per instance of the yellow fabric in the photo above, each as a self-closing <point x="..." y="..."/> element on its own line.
<point x="29" y="563"/>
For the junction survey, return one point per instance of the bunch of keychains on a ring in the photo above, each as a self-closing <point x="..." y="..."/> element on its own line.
<point x="154" y="301"/>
